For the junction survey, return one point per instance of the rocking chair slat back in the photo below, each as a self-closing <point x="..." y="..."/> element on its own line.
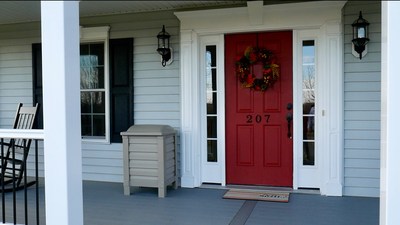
<point x="15" y="157"/>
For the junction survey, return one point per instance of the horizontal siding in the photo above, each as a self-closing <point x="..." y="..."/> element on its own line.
<point x="365" y="144"/>
<point x="15" y="77"/>
<point x="362" y="102"/>
<point x="156" y="88"/>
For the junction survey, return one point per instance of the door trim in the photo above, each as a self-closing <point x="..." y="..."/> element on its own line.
<point x="194" y="24"/>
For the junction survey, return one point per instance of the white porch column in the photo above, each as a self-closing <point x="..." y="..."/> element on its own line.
<point x="190" y="150"/>
<point x="390" y="115"/>
<point x="61" y="109"/>
<point x="330" y="114"/>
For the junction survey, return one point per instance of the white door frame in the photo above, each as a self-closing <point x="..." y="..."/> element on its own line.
<point x="324" y="16"/>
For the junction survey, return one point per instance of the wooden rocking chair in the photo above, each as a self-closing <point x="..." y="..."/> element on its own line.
<point x="14" y="154"/>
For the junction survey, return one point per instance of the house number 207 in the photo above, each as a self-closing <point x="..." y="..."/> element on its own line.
<point x="257" y="118"/>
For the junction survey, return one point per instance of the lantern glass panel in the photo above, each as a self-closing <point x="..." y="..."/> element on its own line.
<point x="361" y="32"/>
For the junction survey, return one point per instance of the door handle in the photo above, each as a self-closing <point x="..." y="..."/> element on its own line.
<point x="289" y="118"/>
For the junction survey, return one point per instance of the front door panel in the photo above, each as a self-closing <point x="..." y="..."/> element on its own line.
<point x="258" y="136"/>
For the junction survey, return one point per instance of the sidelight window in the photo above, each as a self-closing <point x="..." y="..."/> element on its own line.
<point x="308" y="86"/>
<point x="211" y="101"/>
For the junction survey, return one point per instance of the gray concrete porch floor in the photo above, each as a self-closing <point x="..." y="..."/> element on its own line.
<point x="105" y="204"/>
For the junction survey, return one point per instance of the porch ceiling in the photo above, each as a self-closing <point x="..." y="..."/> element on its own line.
<point x="29" y="11"/>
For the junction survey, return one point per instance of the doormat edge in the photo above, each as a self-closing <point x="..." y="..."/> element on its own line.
<point x="271" y="196"/>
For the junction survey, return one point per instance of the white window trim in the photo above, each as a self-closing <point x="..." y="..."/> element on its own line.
<point x="100" y="35"/>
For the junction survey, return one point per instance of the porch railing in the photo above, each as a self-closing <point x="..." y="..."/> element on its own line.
<point x="20" y="197"/>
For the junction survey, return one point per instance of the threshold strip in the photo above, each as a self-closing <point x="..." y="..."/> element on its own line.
<point x="244" y="212"/>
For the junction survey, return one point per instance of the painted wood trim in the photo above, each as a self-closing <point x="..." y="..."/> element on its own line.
<point x="190" y="159"/>
<point x="94" y="33"/>
<point x="331" y="111"/>
<point x="220" y="21"/>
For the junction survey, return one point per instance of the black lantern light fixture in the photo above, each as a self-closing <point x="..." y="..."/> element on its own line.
<point x="360" y="34"/>
<point x="163" y="47"/>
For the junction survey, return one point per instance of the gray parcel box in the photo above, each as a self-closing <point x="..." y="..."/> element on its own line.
<point x="149" y="157"/>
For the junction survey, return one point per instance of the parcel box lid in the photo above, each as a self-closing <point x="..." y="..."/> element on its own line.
<point x="149" y="129"/>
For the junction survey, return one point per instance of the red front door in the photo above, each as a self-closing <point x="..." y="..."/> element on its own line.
<point x="258" y="146"/>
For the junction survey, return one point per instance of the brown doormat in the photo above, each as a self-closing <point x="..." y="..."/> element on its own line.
<point x="257" y="195"/>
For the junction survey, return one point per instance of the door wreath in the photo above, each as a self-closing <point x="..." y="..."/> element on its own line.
<point x="245" y="71"/>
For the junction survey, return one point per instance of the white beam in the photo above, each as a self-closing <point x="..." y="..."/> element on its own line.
<point x="255" y="11"/>
<point x="390" y="119"/>
<point x="61" y="110"/>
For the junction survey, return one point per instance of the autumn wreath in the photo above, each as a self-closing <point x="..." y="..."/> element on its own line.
<point x="244" y="68"/>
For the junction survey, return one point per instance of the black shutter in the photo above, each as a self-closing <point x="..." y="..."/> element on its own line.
<point x="37" y="82"/>
<point x="121" y="86"/>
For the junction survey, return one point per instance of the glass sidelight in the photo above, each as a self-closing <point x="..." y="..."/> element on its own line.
<point x="211" y="101"/>
<point x="308" y="86"/>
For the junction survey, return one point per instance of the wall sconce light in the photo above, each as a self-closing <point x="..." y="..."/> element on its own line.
<point x="163" y="47"/>
<point x="360" y="36"/>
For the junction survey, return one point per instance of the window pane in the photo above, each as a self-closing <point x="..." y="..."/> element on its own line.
<point x="212" y="127"/>
<point x="97" y="51"/>
<point x="211" y="103"/>
<point x="212" y="151"/>
<point x="211" y="72"/>
<point x="98" y="102"/>
<point x="84" y="50"/>
<point x="211" y="79"/>
<point x="308" y="125"/>
<point x="86" y="125"/>
<point x="214" y="79"/>
<point x="91" y="77"/>
<point x="99" y="125"/>
<point x="211" y="53"/>
<point x="308" y="96"/>
<point x="308" y="153"/>
<point x="86" y="102"/>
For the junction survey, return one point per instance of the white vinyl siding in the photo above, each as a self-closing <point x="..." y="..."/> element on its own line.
<point x="362" y="94"/>
<point x="156" y="88"/>
<point x="15" y="72"/>
<point x="15" y="68"/>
